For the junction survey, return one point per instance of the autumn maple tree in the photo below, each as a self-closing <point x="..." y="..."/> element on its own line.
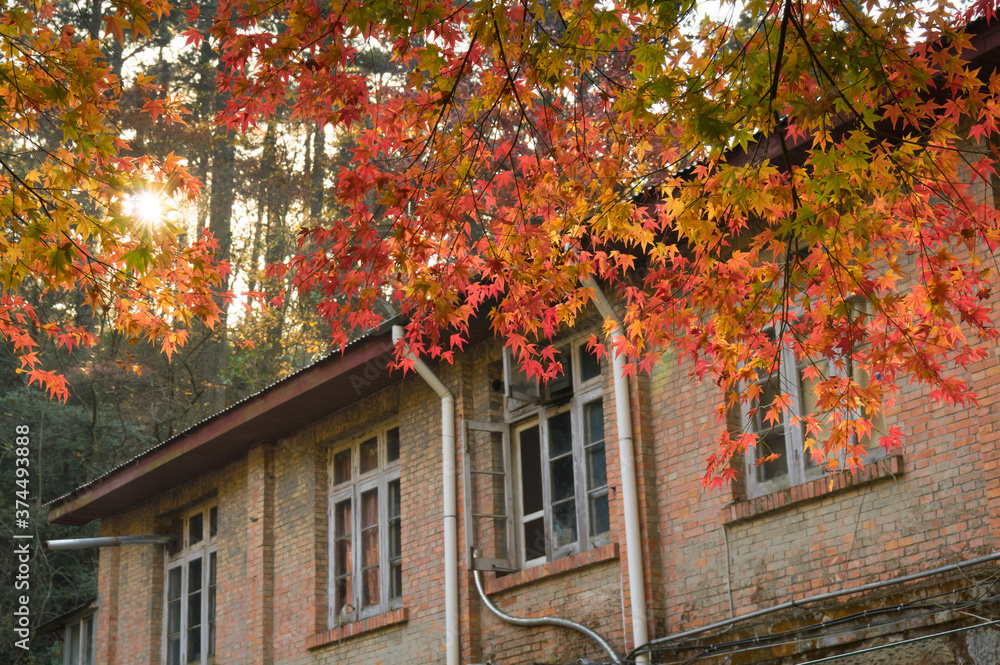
<point x="70" y="189"/>
<point x="813" y="176"/>
<point x="808" y="175"/>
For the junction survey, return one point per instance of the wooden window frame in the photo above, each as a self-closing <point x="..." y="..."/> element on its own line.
<point x="204" y="550"/>
<point x="379" y="478"/>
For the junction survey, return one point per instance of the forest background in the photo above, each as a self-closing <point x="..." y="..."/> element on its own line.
<point x="125" y="394"/>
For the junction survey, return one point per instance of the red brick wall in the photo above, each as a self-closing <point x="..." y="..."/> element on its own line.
<point x="937" y="511"/>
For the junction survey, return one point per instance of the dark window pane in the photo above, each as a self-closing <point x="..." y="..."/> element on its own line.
<point x="194" y="576"/>
<point x="343" y="595"/>
<point x="590" y="366"/>
<point x="195" y="529"/>
<point x="597" y="472"/>
<point x="394" y="499"/>
<point x="531" y="471"/>
<point x="174" y="650"/>
<point x="564" y="379"/>
<point x="369" y="547"/>
<point x="394" y="535"/>
<point x="174" y="584"/>
<point x="194" y="609"/>
<point x="74" y="644"/>
<point x="774" y="468"/>
<point x="560" y="434"/>
<point x="593" y="417"/>
<point x="371" y="587"/>
<point x="88" y="641"/>
<point x="763" y="405"/>
<point x="561" y="477"/>
<point x="213" y="521"/>
<point x="534" y="539"/>
<point x="194" y="645"/>
<point x="369" y="455"/>
<point x="342" y="467"/>
<point x="174" y="617"/>
<point x="392" y="444"/>
<point x="564" y="523"/>
<point x="369" y="508"/>
<point x="343" y="563"/>
<point x="600" y="516"/>
<point x="342" y="518"/>
<point x="211" y="604"/>
<point x="396" y="581"/>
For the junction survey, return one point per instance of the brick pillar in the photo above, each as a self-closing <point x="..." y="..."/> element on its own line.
<point x="107" y="592"/>
<point x="260" y="555"/>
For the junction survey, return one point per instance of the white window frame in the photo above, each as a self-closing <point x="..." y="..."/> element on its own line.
<point x="800" y="466"/>
<point x="523" y="416"/>
<point x="385" y="473"/>
<point x="204" y="550"/>
<point x="85" y="640"/>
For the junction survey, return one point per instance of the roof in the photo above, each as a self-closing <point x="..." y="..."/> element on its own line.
<point x="326" y="386"/>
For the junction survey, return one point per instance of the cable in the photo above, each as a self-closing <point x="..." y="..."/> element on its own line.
<point x="915" y="609"/>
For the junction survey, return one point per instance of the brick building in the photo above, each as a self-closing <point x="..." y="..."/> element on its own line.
<point x="331" y="518"/>
<point x="309" y="528"/>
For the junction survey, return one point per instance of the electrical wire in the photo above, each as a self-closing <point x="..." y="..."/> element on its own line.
<point x="914" y="609"/>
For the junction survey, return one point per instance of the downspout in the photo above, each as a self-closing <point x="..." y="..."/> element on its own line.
<point x="630" y="496"/>
<point x="449" y="499"/>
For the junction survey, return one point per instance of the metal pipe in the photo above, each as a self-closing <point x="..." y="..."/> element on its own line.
<point x="630" y="495"/>
<point x="826" y="596"/>
<point x="449" y="499"/>
<point x="107" y="541"/>
<point x="543" y="621"/>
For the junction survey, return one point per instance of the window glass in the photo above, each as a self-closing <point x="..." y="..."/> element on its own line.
<point x="74" y="644"/>
<point x="395" y="542"/>
<point x="392" y="444"/>
<point x="190" y="593"/>
<point x="366" y="529"/>
<point x="562" y="481"/>
<point x="88" y="641"/>
<point x="174" y="615"/>
<point x="195" y="529"/>
<point x="590" y="366"/>
<point x="779" y="459"/>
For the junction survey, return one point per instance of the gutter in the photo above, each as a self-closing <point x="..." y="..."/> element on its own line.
<point x="630" y="497"/>
<point x="448" y="495"/>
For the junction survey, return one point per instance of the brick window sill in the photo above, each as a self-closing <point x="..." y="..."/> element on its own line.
<point x="360" y="627"/>
<point x="740" y="511"/>
<point x="562" y="566"/>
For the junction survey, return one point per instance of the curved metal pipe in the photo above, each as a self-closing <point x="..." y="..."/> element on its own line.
<point x="543" y="621"/>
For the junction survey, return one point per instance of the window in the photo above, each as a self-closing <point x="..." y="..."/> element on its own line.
<point x="779" y="460"/>
<point x="189" y="628"/>
<point x="79" y="643"/>
<point x="366" y="572"/>
<point x="561" y="488"/>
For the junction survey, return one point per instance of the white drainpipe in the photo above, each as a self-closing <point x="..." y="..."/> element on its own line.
<point x="449" y="494"/>
<point x="630" y="497"/>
